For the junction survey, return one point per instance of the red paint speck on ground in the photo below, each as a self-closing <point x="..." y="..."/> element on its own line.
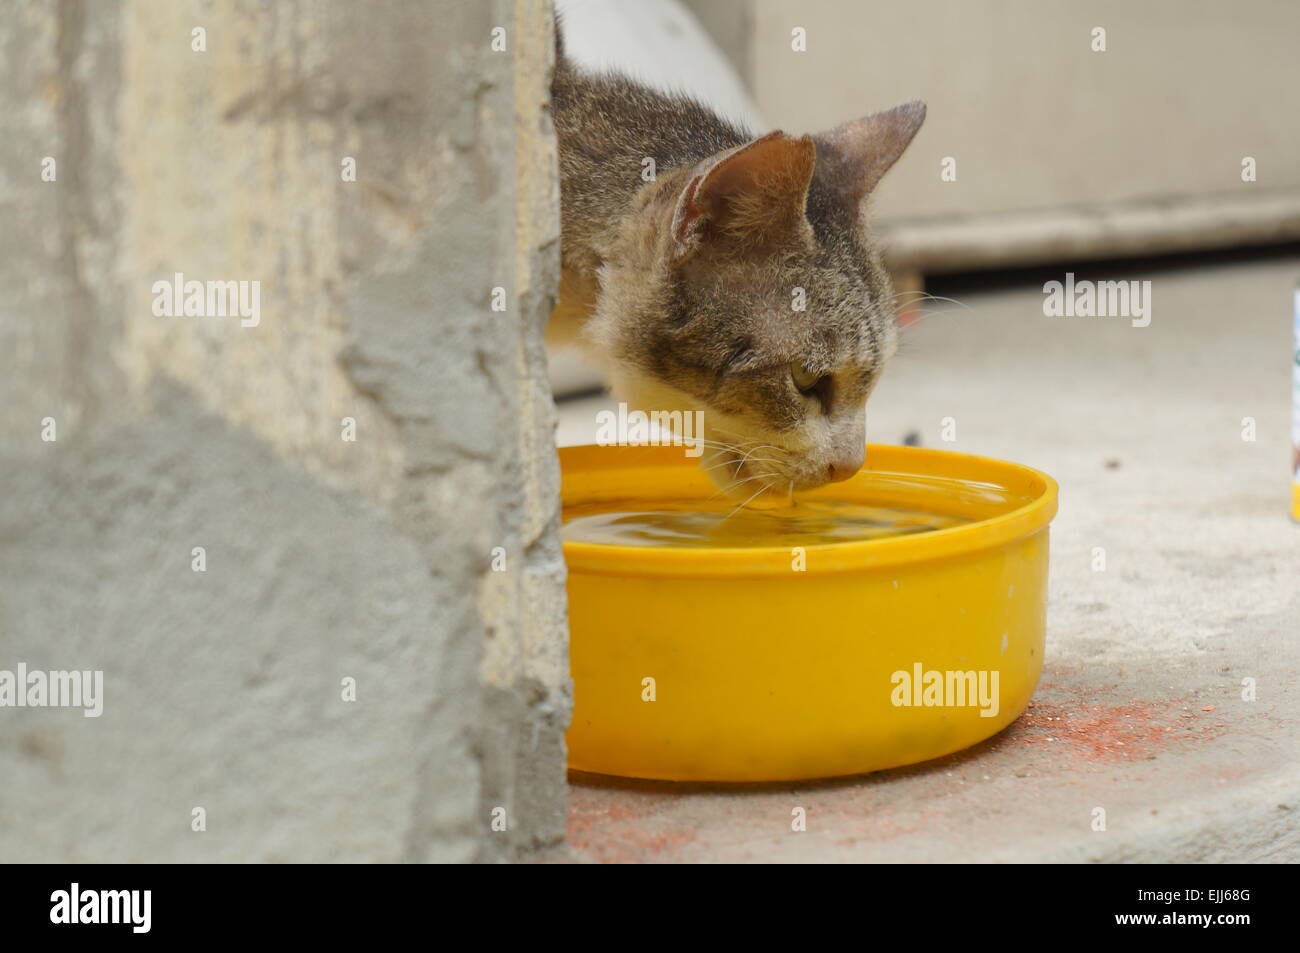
<point x="1102" y="732"/>
<point x="621" y="843"/>
<point x="615" y="834"/>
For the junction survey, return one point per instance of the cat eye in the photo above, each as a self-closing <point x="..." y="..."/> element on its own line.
<point x="805" y="380"/>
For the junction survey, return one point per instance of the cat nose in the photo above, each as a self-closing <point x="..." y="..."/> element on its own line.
<point x="845" y="464"/>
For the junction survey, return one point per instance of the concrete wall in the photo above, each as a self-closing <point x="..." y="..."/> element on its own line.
<point x="1034" y="117"/>
<point x="419" y="558"/>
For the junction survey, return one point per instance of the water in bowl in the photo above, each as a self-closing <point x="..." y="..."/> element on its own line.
<point x="721" y="524"/>
<point x="887" y="505"/>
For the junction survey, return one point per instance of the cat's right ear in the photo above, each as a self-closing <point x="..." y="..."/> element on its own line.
<point x="852" y="158"/>
<point x="747" y="197"/>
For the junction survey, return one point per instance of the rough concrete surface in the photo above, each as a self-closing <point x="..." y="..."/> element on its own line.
<point x="419" y="558"/>
<point x="1140" y="710"/>
<point x="222" y="688"/>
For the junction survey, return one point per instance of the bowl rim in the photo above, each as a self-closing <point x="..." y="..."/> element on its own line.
<point x="842" y="556"/>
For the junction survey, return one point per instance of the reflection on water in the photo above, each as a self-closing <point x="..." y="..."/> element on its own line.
<point x="808" y="523"/>
<point x="921" y="504"/>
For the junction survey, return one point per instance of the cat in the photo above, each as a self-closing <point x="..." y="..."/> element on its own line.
<point x="686" y="287"/>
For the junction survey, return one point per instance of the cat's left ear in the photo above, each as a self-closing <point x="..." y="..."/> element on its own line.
<point x="853" y="157"/>
<point x="746" y="197"/>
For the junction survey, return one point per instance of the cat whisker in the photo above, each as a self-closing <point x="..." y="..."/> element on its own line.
<point x="737" y="447"/>
<point x="722" y="447"/>
<point x="731" y="486"/>
<point x="734" y="433"/>
<point x="725" y="491"/>
<point x="751" y="499"/>
<point x="924" y="315"/>
<point x="755" y="447"/>
<point x="923" y="296"/>
<point x="739" y="463"/>
<point x="743" y="460"/>
<point x="745" y="450"/>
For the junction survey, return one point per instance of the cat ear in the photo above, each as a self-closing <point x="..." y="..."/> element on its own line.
<point x="853" y="157"/>
<point x="749" y="195"/>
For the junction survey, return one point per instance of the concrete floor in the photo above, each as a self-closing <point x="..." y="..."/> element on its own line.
<point x="1140" y="709"/>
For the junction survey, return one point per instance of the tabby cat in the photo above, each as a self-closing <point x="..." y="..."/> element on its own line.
<point x="740" y="280"/>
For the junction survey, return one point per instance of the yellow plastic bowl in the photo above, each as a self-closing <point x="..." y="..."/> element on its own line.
<point x="762" y="672"/>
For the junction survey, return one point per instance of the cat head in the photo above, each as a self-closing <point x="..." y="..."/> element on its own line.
<point x="746" y="287"/>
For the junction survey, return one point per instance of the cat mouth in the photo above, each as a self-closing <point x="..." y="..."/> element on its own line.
<point x="763" y="477"/>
